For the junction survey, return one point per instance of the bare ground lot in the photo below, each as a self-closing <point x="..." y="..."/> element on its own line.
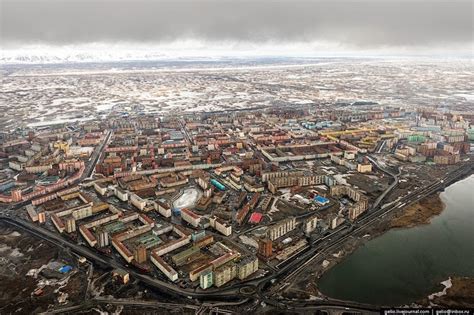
<point x="21" y="253"/>
<point x="419" y="213"/>
<point x="460" y="294"/>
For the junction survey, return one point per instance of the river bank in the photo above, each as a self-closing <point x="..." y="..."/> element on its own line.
<point x="427" y="217"/>
<point x="419" y="213"/>
<point x="415" y="259"/>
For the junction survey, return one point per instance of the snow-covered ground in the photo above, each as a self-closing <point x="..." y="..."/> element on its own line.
<point x="36" y="94"/>
<point x="188" y="199"/>
<point x="341" y="179"/>
<point x="447" y="284"/>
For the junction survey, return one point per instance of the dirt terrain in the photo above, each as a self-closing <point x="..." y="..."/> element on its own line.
<point x="22" y="272"/>
<point x="459" y="295"/>
<point x="419" y="213"/>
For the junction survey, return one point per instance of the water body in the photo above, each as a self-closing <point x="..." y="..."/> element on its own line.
<point x="405" y="265"/>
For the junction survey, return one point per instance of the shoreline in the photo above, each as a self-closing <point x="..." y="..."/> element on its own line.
<point x="399" y="219"/>
<point x="419" y="213"/>
<point x="459" y="293"/>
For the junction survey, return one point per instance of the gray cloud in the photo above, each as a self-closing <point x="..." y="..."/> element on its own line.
<point x="360" y="24"/>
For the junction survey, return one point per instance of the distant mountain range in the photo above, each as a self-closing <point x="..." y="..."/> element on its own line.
<point x="79" y="57"/>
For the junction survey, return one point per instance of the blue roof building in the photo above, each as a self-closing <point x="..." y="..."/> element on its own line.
<point x="65" y="269"/>
<point x="321" y="200"/>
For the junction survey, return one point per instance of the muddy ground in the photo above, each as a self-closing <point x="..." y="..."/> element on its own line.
<point x="20" y="253"/>
<point x="419" y="213"/>
<point x="459" y="295"/>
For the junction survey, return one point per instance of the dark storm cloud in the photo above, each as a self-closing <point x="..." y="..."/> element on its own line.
<point x="363" y="23"/>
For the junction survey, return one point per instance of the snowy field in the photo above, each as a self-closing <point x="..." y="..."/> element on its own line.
<point x="35" y="95"/>
<point x="188" y="199"/>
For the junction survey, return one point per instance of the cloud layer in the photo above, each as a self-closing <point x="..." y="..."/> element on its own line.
<point x="361" y="24"/>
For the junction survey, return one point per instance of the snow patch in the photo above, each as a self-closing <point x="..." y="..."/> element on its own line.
<point x="447" y="284"/>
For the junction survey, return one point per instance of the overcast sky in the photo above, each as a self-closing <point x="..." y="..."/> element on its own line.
<point x="357" y="24"/>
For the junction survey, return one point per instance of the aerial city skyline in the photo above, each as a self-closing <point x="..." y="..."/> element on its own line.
<point x="236" y="157"/>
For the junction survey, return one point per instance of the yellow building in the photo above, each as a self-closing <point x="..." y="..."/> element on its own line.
<point x="364" y="168"/>
<point x="62" y="145"/>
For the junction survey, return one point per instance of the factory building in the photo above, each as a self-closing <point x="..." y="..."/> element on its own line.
<point x="281" y="228"/>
